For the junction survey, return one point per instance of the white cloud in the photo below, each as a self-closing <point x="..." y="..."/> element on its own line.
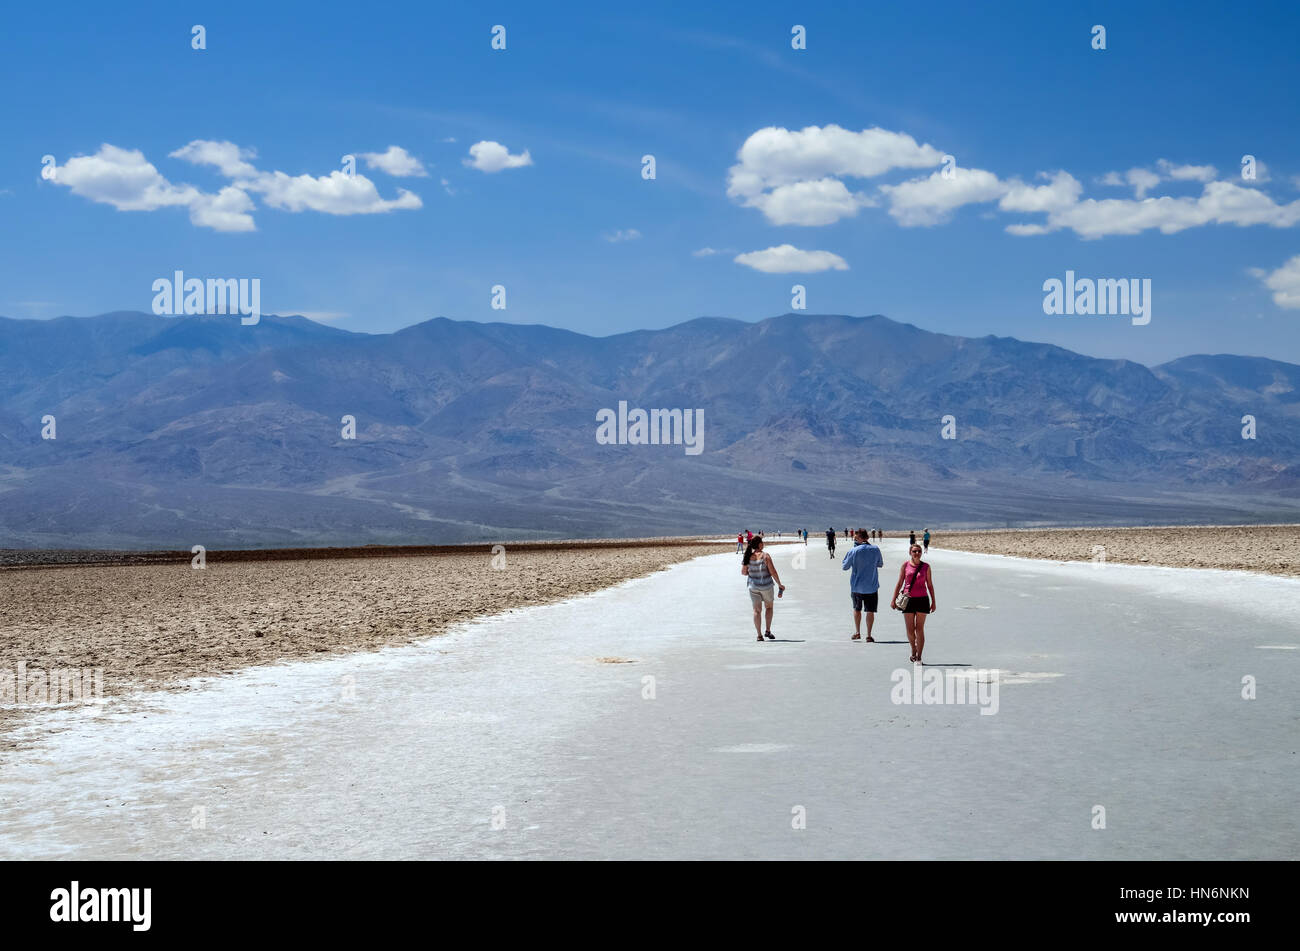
<point x="795" y="177"/>
<point x="1142" y="180"/>
<point x="228" y="158"/>
<point x="932" y="200"/>
<point x="801" y="178"/>
<point x="1187" y="173"/>
<point x="798" y="178"/>
<point x="629" y="234"/>
<point x="1224" y="203"/>
<point x="228" y="210"/>
<point x="1062" y="191"/>
<point x="122" y="178"/>
<point x="490" y="156"/>
<point x="395" y="161"/>
<point x="334" y="194"/>
<point x="704" y="253"/>
<point x="1284" y="283"/>
<point x="821" y="202"/>
<point x="787" y="259"/>
<point x="125" y="179"/>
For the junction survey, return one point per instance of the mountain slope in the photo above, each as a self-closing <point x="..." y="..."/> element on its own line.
<point x="179" y="431"/>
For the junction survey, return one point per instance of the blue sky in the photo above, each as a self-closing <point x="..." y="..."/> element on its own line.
<point x="757" y="146"/>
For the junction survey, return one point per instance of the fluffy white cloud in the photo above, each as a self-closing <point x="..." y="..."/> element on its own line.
<point x="1187" y="173"/>
<point x="126" y="180"/>
<point x="1062" y="191"/>
<point x="122" y="178"/>
<point x="334" y="194"/>
<point x="1223" y="203"/>
<point x="787" y="259"/>
<point x="1142" y="180"/>
<point x="932" y="200"/>
<point x="1284" y="283"/>
<point x="795" y="177"/>
<point x="821" y="202"/>
<point x="487" y="156"/>
<point x="227" y="157"/>
<point x="228" y="210"/>
<point x="395" y="161"/>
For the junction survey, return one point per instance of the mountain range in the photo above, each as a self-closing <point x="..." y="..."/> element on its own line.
<point x="176" y="431"/>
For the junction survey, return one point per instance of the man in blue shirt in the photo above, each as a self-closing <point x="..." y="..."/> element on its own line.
<point x="863" y="560"/>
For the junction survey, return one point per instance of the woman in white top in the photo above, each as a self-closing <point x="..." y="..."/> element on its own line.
<point x="763" y="581"/>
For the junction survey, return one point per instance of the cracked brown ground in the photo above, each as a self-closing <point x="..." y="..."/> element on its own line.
<point x="155" y="625"/>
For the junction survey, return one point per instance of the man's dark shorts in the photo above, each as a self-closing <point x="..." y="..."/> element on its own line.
<point x="866" y="602"/>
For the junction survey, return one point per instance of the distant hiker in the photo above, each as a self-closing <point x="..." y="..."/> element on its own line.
<point x="758" y="567"/>
<point x="916" y="583"/>
<point x="740" y="541"/>
<point x="749" y="536"/>
<point x="805" y="536"/>
<point x="864" y="560"/>
<point x="830" y="541"/>
<point x="926" y="539"/>
<point x="911" y="539"/>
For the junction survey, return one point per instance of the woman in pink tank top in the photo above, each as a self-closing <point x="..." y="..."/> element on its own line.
<point x="917" y="577"/>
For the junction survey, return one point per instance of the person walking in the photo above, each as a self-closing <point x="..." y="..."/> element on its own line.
<point x="916" y="580"/>
<point x="740" y="542"/>
<point x="911" y="538"/>
<point x="926" y="539"/>
<point x="864" y="561"/>
<point x="830" y="541"/>
<point x="805" y="537"/>
<point x="762" y="582"/>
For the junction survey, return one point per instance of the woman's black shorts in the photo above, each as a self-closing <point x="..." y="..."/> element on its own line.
<point x="917" y="605"/>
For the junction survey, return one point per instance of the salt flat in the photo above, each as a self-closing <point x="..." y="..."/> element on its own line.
<point x="534" y="734"/>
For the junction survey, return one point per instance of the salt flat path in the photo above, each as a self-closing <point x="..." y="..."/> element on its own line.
<point x="512" y="737"/>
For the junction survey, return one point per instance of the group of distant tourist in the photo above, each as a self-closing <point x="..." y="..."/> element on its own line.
<point x="913" y="593"/>
<point x="743" y="537"/>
